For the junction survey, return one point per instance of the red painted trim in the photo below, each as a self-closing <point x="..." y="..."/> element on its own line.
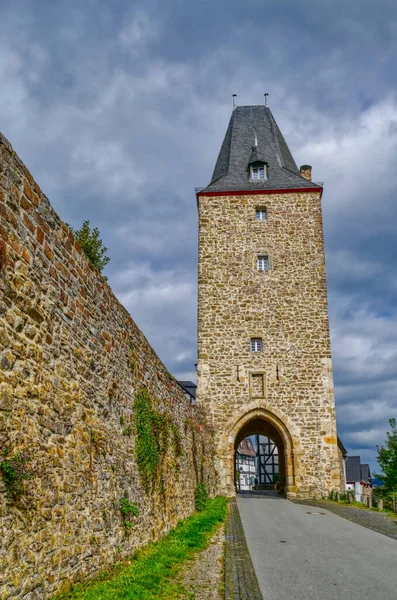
<point x="257" y="192"/>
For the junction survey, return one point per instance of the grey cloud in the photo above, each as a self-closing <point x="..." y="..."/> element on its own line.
<point x="119" y="111"/>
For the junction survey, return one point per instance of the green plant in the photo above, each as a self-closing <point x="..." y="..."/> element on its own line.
<point x="146" y="448"/>
<point x="128" y="509"/>
<point x="127" y="431"/>
<point x="387" y="459"/>
<point x="92" y="245"/>
<point x="201" y="497"/>
<point x="152" y="574"/>
<point x="15" y="469"/>
<point x="152" y="440"/>
<point x="389" y="498"/>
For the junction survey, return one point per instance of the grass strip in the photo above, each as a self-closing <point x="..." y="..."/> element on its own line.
<point x="151" y="573"/>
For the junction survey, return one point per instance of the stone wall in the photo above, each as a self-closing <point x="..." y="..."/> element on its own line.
<point x="341" y="461"/>
<point x="287" y="308"/>
<point x="71" y="363"/>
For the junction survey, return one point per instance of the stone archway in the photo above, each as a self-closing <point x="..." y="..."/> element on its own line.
<point x="264" y="422"/>
<point x="259" y="426"/>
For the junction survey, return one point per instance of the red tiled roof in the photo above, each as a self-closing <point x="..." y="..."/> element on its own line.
<point x="246" y="448"/>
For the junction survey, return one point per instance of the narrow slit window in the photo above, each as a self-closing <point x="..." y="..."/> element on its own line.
<point x="261" y="214"/>
<point x="256" y="344"/>
<point x="263" y="262"/>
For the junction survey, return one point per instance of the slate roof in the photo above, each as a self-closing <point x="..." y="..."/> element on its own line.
<point x="353" y="469"/>
<point x="365" y="473"/>
<point x="238" y="150"/>
<point x="189" y="386"/>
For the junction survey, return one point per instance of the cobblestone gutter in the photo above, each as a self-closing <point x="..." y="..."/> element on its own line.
<point x="240" y="578"/>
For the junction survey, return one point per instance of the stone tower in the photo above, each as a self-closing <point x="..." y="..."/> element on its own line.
<point x="264" y="358"/>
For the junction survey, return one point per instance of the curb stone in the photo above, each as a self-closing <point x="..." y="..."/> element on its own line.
<point x="240" y="578"/>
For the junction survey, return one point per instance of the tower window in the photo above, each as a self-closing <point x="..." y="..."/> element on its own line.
<point x="258" y="173"/>
<point x="261" y="214"/>
<point x="262" y="262"/>
<point x="256" y="344"/>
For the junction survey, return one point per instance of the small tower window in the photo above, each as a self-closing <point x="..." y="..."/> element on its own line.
<point x="258" y="172"/>
<point x="263" y="262"/>
<point x="261" y="214"/>
<point x="256" y="344"/>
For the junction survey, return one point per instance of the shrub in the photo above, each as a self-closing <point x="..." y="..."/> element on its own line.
<point x="15" y="469"/>
<point x="92" y="245"/>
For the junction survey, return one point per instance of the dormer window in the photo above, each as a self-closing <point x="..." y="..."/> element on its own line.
<point x="258" y="172"/>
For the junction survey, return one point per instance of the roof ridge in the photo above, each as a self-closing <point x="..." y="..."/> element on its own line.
<point x="272" y="123"/>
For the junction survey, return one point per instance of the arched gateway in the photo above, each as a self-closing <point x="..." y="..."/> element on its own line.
<point x="264" y="359"/>
<point x="262" y="422"/>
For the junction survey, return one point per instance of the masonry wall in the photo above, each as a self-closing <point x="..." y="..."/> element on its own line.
<point x="341" y="461"/>
<point x="287" y="307"/>
<point x="71" y="363"/>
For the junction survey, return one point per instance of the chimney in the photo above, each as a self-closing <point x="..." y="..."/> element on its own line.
<point x="306" y="172"/>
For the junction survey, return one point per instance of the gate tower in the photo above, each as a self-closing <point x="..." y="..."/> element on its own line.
<point x="264" y="357"/>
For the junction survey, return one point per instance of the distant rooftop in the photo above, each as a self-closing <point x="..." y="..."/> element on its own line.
<point x="246" y="448"/>
<point x="356" y="471"/>
<point x="254" y="136"/>
<point x="189" y="387"/>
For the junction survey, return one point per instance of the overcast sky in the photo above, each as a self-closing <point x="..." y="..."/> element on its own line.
<point x="119" y="108"/>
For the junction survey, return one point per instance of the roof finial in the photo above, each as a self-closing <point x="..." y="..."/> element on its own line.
<point x="234" y="101"/>
<point x="256" y="140"/>
<point x="266" y="95"/>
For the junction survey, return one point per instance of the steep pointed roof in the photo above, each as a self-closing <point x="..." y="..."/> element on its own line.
<point x="238" y="151"/>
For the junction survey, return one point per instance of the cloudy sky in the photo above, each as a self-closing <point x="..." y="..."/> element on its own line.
<point x="119" y="109"/>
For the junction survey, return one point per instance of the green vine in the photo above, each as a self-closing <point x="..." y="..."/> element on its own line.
<point x="177" y="440"/>
<point x="153" y="438"/>
<point x="146" y="449"/>
<point x="128" y="510"/>
<point x="15" y="469"/>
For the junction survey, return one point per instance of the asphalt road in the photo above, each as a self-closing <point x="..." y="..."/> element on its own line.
<point x="301" y="556"/>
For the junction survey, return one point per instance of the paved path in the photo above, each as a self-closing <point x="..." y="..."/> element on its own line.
<point x="380" y="522"/>
<point x="301" y="556"/>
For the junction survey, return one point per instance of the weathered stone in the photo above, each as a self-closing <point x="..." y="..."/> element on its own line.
<point x="65" y="342"/>
<point x="286" y="389"/>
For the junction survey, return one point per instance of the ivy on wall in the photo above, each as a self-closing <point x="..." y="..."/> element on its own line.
<point x="155" y="432"/>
